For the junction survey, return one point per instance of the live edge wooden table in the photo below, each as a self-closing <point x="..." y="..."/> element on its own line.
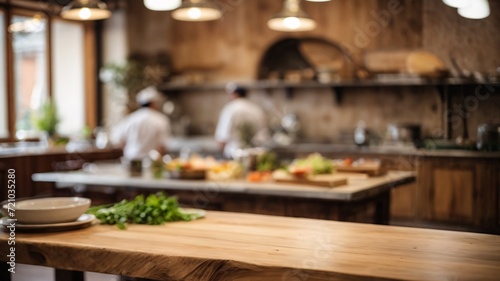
<point x="236" y="246"/>
<point x="363" y="199"/>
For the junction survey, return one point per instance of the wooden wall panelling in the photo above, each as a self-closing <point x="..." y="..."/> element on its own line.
<point x="497" y="188"/>
<point x="231" y="48"/>
<point x="403" y="202"/>
<point x="485" y="198"/>
<point x="453" y="191"/>
<point x="458" y="191"/>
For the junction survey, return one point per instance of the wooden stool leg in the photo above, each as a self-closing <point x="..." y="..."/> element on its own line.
<point x="4" y="271"/>
<point x="69" y="275"/>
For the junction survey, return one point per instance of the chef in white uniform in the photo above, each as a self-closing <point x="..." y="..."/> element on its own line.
<point x="237" y="115"/>
<point x="143" y="130"/>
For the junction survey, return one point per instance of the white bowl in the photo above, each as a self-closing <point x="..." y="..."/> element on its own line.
<point x="49" y="210"/>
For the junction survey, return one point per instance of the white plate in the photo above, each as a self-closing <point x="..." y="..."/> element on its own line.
<point x="49" y="210"/>
<point x="84" y="220"/>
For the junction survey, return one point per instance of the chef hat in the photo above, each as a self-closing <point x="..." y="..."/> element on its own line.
<point x="147" y="95"/>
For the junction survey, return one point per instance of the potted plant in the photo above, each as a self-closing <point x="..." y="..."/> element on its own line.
<point x="45" y="119"/>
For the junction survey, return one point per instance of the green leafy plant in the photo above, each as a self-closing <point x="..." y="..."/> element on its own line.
<point x="154" y="209"/>
<point x="46" y="119"/>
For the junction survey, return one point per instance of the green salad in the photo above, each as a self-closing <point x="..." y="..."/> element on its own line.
<point x="154" y="209"/>
<point x="314" y="163"/>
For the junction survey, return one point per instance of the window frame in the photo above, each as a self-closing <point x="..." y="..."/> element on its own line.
<point x="90" y="71"/>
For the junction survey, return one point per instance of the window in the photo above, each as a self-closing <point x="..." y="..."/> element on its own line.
<point x="29" y="45"/>
<point x="68" y="82"/>
<point x="44" y="57"/>
<point x="4" y="116"/>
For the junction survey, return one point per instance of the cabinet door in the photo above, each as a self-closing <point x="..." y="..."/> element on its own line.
<point x="403" y="202"/>
<point x="447" y="191"/>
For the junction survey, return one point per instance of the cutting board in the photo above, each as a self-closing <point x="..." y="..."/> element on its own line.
<point x="329" y="180"/>
<point x="371" y="170"/>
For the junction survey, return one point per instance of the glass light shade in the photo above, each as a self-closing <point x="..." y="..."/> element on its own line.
<point x="86" y="10"/>
<point x="162" y="5"/>
<point x="458" y="3"/>
<point x="197" y="10"/>
<point x="291" y="18"/>
<point x="478" y="9"/>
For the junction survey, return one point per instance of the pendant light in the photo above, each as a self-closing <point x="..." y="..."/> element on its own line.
<point x="86" y="10"/>
<point x="291" y="18"/>
<point x="477" y="9"/>
<point x="457" y="3"/>
<point x="162" y="5"/>
<point x="197" y="10"/>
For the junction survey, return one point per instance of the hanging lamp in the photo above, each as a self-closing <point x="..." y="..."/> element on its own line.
<point x="457" y="3"/>
<point x="197" y="10"/>
<point x="291" y="18"/>
<point x="86" y="10"/>
<point x="162" y="5"/>
<point x="477" y="9"/>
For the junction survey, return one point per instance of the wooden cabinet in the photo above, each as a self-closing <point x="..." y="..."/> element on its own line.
<point x="458" y="191"/>
<point x="27" y="164"/>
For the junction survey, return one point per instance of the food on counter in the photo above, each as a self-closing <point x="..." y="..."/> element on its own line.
<point x="193" y="163"/>
<point x="228" y="170"/>
<point x="154" y="209"/>
<point x="314" y="164"/>
<point x="348" y="162"/>
<point x="194" y="168"/>
<point x="371" y="167"/>
<point x="267" y="161"/>
<point x="259" y="176"/>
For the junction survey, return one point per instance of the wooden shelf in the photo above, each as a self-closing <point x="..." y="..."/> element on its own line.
<point x="266" y="85"/>
<point x="337" y="88"/>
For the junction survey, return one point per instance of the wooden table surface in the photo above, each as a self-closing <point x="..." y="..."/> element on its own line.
<point x="114" y="175"/>
<point x="231" y="246"/>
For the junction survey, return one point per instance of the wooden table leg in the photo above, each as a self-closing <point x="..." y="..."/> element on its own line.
<point x="4" y="271"/>
<point x="382" y="208"/>
<point x="68" y="275"/>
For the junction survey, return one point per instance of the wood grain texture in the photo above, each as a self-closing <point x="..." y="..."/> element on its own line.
<point x="228" y="246"/>
<point x="454" y="195"/>
<point x="329" y="181"/>
<point x="403" y="202"/>
<point x="26" y="164"/>
<point x="462" y="191"/>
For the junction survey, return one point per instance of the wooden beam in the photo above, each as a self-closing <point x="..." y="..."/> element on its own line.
<point x="90" y="73"/>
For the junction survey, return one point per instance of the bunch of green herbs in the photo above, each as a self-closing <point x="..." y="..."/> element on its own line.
<point x="154" y="209"/>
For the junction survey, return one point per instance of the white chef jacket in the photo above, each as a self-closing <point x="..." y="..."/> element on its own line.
<point x="141" y="131"/>
<point x="236" y="113"/>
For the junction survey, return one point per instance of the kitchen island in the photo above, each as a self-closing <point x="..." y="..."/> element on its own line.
<point x="363" y="199"/>
<point x="230" y="246"/>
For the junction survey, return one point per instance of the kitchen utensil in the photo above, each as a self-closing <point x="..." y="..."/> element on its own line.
<point x="47" y="210"/>
<point x="488" y="137"/>
<point x="404" y="133"/>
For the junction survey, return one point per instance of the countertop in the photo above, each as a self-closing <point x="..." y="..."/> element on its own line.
<point x="207" y="145"/>
<point x="35" y="151"/>
<point x="235" y="246"/>
<point x="358" y="186"/>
